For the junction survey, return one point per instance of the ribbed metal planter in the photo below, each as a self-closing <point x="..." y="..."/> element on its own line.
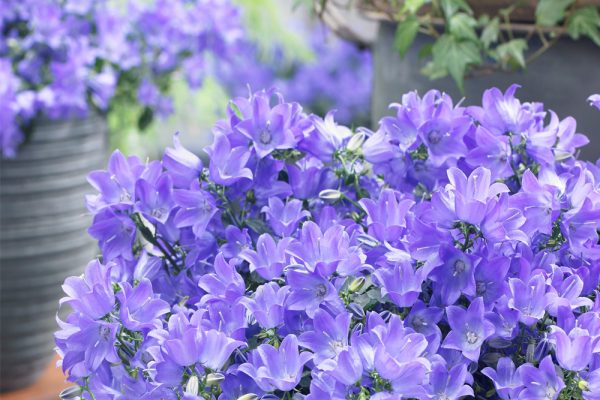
<point x="43" y="239"/>
<point x="562" y="78"/>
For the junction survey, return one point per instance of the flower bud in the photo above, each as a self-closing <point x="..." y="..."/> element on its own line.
<point x="193" y="385"/>
<point x="214" y="379"/>
<point x="71" y="393"/>
<point x="357" y="311"/>
<point x="356" y="141"/>
<point x="330" y="194"/>
<point x="248" y="396"/>
<point x="356" y="284"/>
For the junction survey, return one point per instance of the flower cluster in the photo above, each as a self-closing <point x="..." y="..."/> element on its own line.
<point x="452" y="253"/>
<point x="339" y="76"/>
<point x="59" y="57"/>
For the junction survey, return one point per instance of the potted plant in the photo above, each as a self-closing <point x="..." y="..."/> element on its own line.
<point x="462" y="47"/>
<point x="453" y="253"/>
<point x="65" y="66"/>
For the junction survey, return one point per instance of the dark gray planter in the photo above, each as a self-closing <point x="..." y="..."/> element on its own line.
<point x="562" y="78"/>
<point x="43" y="238"/>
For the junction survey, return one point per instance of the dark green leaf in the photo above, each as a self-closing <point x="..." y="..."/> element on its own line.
<point x="585" y="22"/>
<point x="490" y="33"/>
<point x="512" y="53"/>
<point x="425" y="50"/>
<point x="405" y="34"/>
<point x="462" y="26"/>
<point x="145" y="118"/>
<point x="455" y="55"/>
<point x="551" y="12"/>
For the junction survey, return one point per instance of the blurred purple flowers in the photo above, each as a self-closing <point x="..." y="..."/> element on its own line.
<point x="310" y="261"/>
<point x="63" y="59"/>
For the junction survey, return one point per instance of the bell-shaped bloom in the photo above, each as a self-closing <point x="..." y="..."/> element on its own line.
<point x="443" y="135"/>
<point x="267" y="305"/>
<point x="116" y="184"/>
<point x="154" y="201"/>
<point x="86" y="344"/>
<point x="573" y="351"/>
<point x="492" y="152"/>
<point x="321" y="251"/>
<point x="465" y="198"/>
<point x="490" y="279"/>
<point x="227" y="164"/>
<point x="529" y="298"/>
<point x="92" y="294"/>
<point x="469" y="327"/>
<point x="269" y="258"/>
<point x="502" y="113"/>
<point x="402" y="283"/>
<point x="209" y="348"/>
<point x="269" y="128"/>
<point x="224" y="284"/>
<point x="276" y="369"/>
<point x="506" y="381"/>
<point x="197" y="208"/>
<point x="115" y="232"/>
<point x="450" y="385"/>
<point x="594" y="100"/>
<point x="455" y="276"/>
<point x="386" y="217"/>
<point x="346" y="368"/>
<point x="284" y="218"/>
<point x="329" y="335"/>
<point x="542" y="382"/>
<point x="182" y="165"/>
<point x="139" y="309"/>
<point x="308" y="291"/>
<point x="325" y="138"/>
<point x="567" y="293"/>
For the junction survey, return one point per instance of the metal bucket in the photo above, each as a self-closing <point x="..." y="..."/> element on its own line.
<point x="43" y="238"/>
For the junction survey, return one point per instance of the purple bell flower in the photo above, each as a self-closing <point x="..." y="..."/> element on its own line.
<point x="469" y="327"/>
<point x="273" y="368"/>
<point x="542" y="382"/>
<point x="138" y="308"/>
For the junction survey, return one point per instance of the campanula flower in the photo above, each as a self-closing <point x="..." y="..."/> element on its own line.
<point x="273" y="368"/>
<point x="469" y="327"/>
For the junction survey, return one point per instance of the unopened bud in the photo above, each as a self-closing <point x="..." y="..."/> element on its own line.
<point x="356" y="284"/>
<point x="330" y="194"/>
<point x="71" y="393"/>
<point x="214" y="378"/>
<point x="357" y="311"/>
<point x="193" y="385"/>
<point x="583" y="385"/>
<point x="356" y="141"/>
<point x="248" y="396"/>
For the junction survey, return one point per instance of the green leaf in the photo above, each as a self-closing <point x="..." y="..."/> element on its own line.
<point x="455" y="55"/>
<point x="145" y="118"/>
<point x="425" y="50"/>
<point x="490" y="33"/>
<point x="412" y="6"/>
<point x="405" y="34"/>
<point x="463" y="26"/>
<point x="451" y="7"/>
<point x="512" y="53"/>
<point x="585" y="22"/>
<point x="550" y="12"/>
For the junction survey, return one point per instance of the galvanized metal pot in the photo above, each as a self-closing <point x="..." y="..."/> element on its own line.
<point x="43" y="238"/>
